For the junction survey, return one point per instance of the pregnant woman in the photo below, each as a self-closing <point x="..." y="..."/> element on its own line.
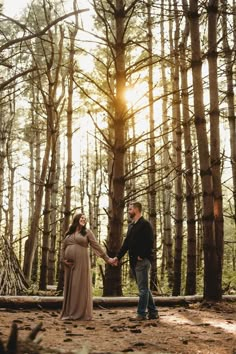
<point x="78" y="302"/>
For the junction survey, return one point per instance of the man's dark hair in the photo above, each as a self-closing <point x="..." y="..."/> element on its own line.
<point x="137" y="205"/>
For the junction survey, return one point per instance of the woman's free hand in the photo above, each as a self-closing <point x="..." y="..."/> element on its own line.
<point x="68" y="263"/>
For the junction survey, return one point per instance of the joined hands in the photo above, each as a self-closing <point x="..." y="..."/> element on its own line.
<point x="113" y="261"/>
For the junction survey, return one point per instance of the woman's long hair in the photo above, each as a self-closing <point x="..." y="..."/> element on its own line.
<point x="74" y="225"/>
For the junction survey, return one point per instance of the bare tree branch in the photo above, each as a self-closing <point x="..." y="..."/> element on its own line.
<point x="40" y="33"/>
<point x="7" y="82"/>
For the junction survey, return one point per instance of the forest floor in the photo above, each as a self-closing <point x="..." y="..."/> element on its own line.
<point x="189" y="330"/>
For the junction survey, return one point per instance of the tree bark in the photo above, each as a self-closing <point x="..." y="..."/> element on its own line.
<point x="190" y="288"/>
<point x="178" y="162"/>
<point x="51" y="103"/>
<point x="38" y="142"/>
<point x="152" y="160"/>
<point x="55" y="302"/>
<point x="11" y="193"/>
<point x="112" y="284"/>
<point x="167" y="186"/>
<point x="53" y="219"/>
<point x="229" y="63"/>
<point x="69" y="134"/>
<point x="215" y="141"/>
<point x="31" y="242"/>
<point x="210" y="257"/>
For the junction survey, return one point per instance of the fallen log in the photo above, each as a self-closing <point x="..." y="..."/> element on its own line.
<point x="55" y="302"/>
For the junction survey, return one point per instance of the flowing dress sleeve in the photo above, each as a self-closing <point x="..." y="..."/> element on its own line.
<point x="96" y="246"/>
<point x="63" y="248"/>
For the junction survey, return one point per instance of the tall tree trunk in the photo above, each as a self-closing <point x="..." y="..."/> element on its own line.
<point x="11" y="192"/>
<point x="190" y="288"/>
<point x="51" y="102"/>
<point x="131" y="159"/>
<point x="88" y="177"/>
<point x="53" y="218"/>
<point x="69" y="163"/>
<point x="178" y="163"/>
<point x="82" y="188"/>
<point x="2" y="172"/>
<point x="229" y="62"/>
<point x="60" y="269"/>
<point x="69" y="134"/>
<point x="31" y="177"/>
<point x="20" y="227"/>
<point x="47" y="210"/>
<point x="198" y="204"/>
<point x="35" y="272"/>
<point x="31" y="242"/>
<point x="46" y="234"/>
<point x="215" y="141"/>
<point x="210" y="258"/>
<point x="2" y="161"/>
<point x="98" y="182"/>
<point x="152" y="160"/>
<point x="112" y="284"/>
<point x="32" y="144"/>
<point x="90" y="189"/>
<point x="4" y="135"/>
<point x="167" y="187"/>
<point x="94" y="174"/>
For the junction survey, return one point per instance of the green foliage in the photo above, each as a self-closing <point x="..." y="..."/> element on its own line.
<point x="130" y="288"/>
<point x="200" y="281"/>
<point x="229" y="282"/>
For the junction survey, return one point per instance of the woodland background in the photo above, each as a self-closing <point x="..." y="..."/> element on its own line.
<point x="106" y="102"/>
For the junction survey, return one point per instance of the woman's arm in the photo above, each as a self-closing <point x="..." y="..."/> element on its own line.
<point x="99" y="251"/>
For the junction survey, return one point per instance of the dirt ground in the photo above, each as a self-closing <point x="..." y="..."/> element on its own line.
<point x="191" y="330"/>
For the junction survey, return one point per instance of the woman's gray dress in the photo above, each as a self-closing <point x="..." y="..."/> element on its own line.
<point x="78" y="302"/>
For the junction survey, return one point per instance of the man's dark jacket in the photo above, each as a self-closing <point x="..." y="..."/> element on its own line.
<point x="138" y="241"/>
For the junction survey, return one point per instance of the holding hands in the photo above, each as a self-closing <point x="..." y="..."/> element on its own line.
<point x="113" y="261"/>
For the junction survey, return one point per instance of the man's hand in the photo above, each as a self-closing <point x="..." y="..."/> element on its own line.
<point x="139" y="258"/>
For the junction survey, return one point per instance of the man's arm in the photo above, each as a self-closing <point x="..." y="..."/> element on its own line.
<point x="122" y="251"/>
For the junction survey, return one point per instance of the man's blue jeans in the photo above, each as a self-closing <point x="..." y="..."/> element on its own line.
<point x="146" y="302"/>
